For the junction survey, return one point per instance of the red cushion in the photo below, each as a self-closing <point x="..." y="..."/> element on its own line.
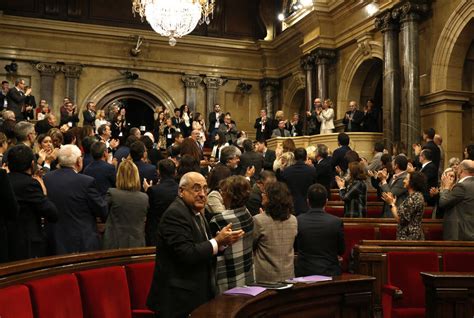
<point x="458" y="261"/>
<point x="434" y="234"/>
<point x="142" y="313"/>
<point x="408" y="313"/>
<point x="388" y="232"/>
<point x="374" y="211"/>
<point x="335" y="210"/>
<point x="56" y="297"/>
<point x="104" y="293"/>
<point x="404" y="272"/>
<point x="15" y="302"/>
<point x="428" y="212"/>
<point x="139" y="278"/>
<point x="352" y="236"/>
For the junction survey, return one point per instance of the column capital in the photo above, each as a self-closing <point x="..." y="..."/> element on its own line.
<point x="385" y="21"/>
<point x="307" y="62"/>
<point x="411" y="10"/>
<point x="48" y="69"/>
<point x="212" y="82"/>
<point x="269" y="82"/>
<point x="191" y="81"/>
<point x="72" y="70"/>
<point x="323" y="55"/>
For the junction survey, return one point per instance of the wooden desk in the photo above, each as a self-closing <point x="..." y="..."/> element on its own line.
<point x="346" y="296"/>
<point x="449" y="295"/>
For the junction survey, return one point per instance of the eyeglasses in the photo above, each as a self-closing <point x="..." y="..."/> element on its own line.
<point x="198" y="189"/>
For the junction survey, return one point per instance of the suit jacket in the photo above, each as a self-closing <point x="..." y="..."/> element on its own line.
<point x="66" y="119"/>
<point x="266" y="132"/>
<point x="299" y="177"/>
<point x="89" y="118"/>
<point x="16" y="101"/>
<point x="103" y="173"/>
<point x="458" y="223"/>
<point x="376" y="164"/>
<point x="185" y="265"/>
<point x="278" y="133"/>
<point x="160" y="196"/>
<point x="355" y="199"/>
<point x="324" y="173"/>
<point x="435" y="151"/>
<point x="431" y="173"/>
<point x="213" y="120"/>
<point x="42" y="126"/>
<point x="146" y="171"/>
<point x="370" y="122"/>
<point x="230" y="134"/>
<point x="326" y="118"/>
<point x="357" y="119"/>
<point x="395" y="186"/>
<point x="295" y="130"/>
<point x="9" y="211"/>
<point x="27" y="234"/>
<point x="338" y="157"/>
<point x="79" y="204"/>
<point x="268" y="158"/>
<point x="320" y="240"/>
<point x="251" y="158"/>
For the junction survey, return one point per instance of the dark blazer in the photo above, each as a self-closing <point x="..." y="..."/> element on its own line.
<point x="355" y="199"/>
<point x="146" y="171"/>
<point x="338" y="157"/>
<point x="79" y="204"/>
<point x="431" y="173"/>
<point x="213" y="120"/>
<point x="370" y="122"/>
<point x="324" y="173"/>
<point x="89" y="118"/>
<point x="267" y="130"/>
<point x="185" y="265"/>
<point x="27" y="234"/>
<point x="103" y="173"/>
<point x="251" y="158"/>
<point x="395" y="186"/>
<point x="299" y="177"/>
<point x="87" y="160"/>
<point x="435" y="151"/>
<point x="268" y="158"/>
<point x="295" y="129"/>
<point x="66" y="119"/>
<point x="30" y="101"/>
<point x="16" y="101"/>
<point x="42" y="126"/>
<point x="160" y="196"/>
<point x="320" y="240"/>
<point x="357" y="119"/>
<point x="9" y="211"/>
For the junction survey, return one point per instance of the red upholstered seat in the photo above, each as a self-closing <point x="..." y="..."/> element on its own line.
<point x="352" y="236"/>
<point x="372" y="197"/>
<point x="458" y="261"/>
<point x="15" y="302"/>
<point x="428" y="212"/>
<point x="56" y="297"/>
<point x="139" y="281"/>
<point x="434" y="234"/>
<point x="388" y="232"/>
<point x="404" y="278"/>
<point x="335" y="210"/>
<point x="104" y="293"/>
<point x="374" y="211"/>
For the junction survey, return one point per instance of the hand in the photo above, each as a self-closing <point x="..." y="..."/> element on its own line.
<point x="347" y="116"/>
<point x="382" y="175"/>
<point x="385" y="151"/>
<point x="114" y="143"/>
<point x="338" y="170"/>
<point x="40" y="180"/>
<point x="41" y="156"/>
<point x="309" y="162"/>
<point x="371" y="174"/>
<point x="434" y="192"/>
<point x="147" y="185"/>
<point x="261" y="211"/>
<point x="308" y="114"/>
<point x="340" y="182"/>
<point x="228" y="237"/>
<point x="447" y="181"/>
<point x="410" y="167"/>
<point x="28" y="91"/>
<point x="64" y="128"/>
<point x="417" y="149"/>
<point x="250" y="171"/>
<point x="389" y="198"/>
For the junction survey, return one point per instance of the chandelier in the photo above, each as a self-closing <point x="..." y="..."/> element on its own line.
<point x="174" y="18"/>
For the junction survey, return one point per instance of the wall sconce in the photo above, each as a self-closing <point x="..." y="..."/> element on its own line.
<point x="243" y="87"/>
<point x="11" y="68"/>
<point x="129" y="75"/>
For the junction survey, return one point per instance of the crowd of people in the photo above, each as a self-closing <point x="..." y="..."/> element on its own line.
<point x="223" y="210"/>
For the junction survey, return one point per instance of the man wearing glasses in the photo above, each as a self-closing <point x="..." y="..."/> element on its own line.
<point x="16" y="98"/>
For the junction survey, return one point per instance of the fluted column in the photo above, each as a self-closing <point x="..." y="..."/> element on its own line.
<point x="212" y="86"/>
<point x="191" y="83"/>
<point x="47" y="73"/>
<point x="409" y="13"/>
<point x="322" y="59"/>
<point x="270" y="88"/>
<point x="391" y="78"/>
<point x="72" y="73"/>
<point x="307" y="63"/>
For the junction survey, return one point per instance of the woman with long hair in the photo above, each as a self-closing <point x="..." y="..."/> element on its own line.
<point x="215" y="203"/>
<point x="200" y="124"/>
<point x="186" y="117"/>
<point x="354" y="191"/>
<point x="128" y="206"/>
<point x="326" y="117"/>
<point x="219" y="143"/>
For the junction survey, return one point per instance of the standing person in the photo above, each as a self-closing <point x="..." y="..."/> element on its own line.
<point x="263" y="125"/>
<point x="69" y="116"/>
<point x="186" y="118"/>
<point x="354" y="193"/>
<point x="30" y="105"/>
<point x="79" y="204"/>
<point x="3" y="95"/>
<point x="324" y="173"/>
<point x="199" y="125"/>
<point x="269" y="156"/>
<point x="184" y="275"/>
<point x="168" y="132"/>
<point x="353" y="118"/>
<point x="429" y="169"/>
<point x="10" y="209"/>
<point x="274" y="235"/>
<point x="428" y="137"/>
<point x="99" y="169"/>
<point x="216" y="118"/>
<point x="99" y="119"/>
<point x="89" y="114"/>
<point x="327" y="230"/>
<point x="326" y="117"/>
<point x="370" y="122"/>
<point x="128" y="208"/>
<point x="339" y="155"/>
<point x="229" y="129"/>
<point x="410" y="212"/>
<point x="438" y="140"/>
<point x="395" y="184"/>
<point x="176" y="120"/>
<point x="16" y="98"/>
<point x="235" y="265"/>
<point x="250" y="158"/>
<point x="314" y="125"/>
<point x="215" y="202"/>
<point x="295" y="126"/>
<point x="219" y="143"/>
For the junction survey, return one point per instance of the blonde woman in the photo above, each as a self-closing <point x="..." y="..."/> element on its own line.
<point x="125" y="226"/>
<point x="326" y="117"/>
<point x="100" y="118"/>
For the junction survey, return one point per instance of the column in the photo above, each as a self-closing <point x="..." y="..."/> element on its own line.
<point x="191" y="83"/>
<point x="212" y="85"/>
<point x="47" y="73"/>
<point x="391" y="78"/>
<point x="269" y="88"/>
<point x="307" y="63"/>
<point x="410" y="13"/>
<point x="72" y="73"/>
<point x="322" y="59"/>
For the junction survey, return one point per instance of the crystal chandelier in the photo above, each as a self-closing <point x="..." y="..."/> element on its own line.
<point x="174" y="18"/>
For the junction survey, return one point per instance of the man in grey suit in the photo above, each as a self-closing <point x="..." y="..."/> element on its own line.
<point x="281" y="131"/>
<point x="458" y="200"/>
<point x="395" y="184"/>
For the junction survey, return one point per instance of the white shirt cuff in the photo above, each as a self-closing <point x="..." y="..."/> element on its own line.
<point x="215" y="247"/>
<point x="47" y="165"/>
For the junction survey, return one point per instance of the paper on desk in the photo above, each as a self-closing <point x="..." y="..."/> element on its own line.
<point x="249" y="290"/>
<point x="309" y="279"/>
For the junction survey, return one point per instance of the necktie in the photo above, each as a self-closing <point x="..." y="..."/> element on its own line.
<point x="201" y="226"/>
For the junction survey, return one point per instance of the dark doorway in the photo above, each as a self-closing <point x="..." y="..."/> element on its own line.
<point x="139" y="114"/>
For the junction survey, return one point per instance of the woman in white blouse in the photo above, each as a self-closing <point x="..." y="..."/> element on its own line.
<point x="326" y="117"/>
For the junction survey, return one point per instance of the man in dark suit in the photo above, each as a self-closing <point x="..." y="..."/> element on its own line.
<point x="216" y="118"/>
<point x="145" y="170"/>
<point x="324" y="173"/>
<point x="353" y="118"/>
<point x="250" y="158"/>
<point x="44" y="125"/>
<point x="160" y="195"/>
<point x="9" y="212"/>
<point x="295" y="126"/>
<point x="338" y="157"/>
<point x="229" y="129"/>
<point x="254" y="203"/>
<point x="184" y="276"/>
<point x="79" y="204"/>
<point x="314" y="125"/>
<point x="89" y="114"/>
<point x="263" y="125"/>
<point x="429" y="169"/>
<point x="99" y="169"/>
<point x="69" y="116"/>
<point x="269" y="156"/>
<point x="27" y="237"/>
<point x="320" y="237"/>
<point x="16" y="98"/>
<point x="394" y="185"/>
<point x="299" y="177"/>
<point x="428" y="137"/>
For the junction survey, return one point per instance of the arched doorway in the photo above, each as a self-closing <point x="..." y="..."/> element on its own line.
<point x="367" y="82"/>
<point x="468" y="86"/>
<point x="139" y="104"/>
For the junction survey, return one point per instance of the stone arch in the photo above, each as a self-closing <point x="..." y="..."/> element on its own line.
<point x="292" y="95"/>
<point x="370" y="50"/>
<point x="446" y="72"/>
